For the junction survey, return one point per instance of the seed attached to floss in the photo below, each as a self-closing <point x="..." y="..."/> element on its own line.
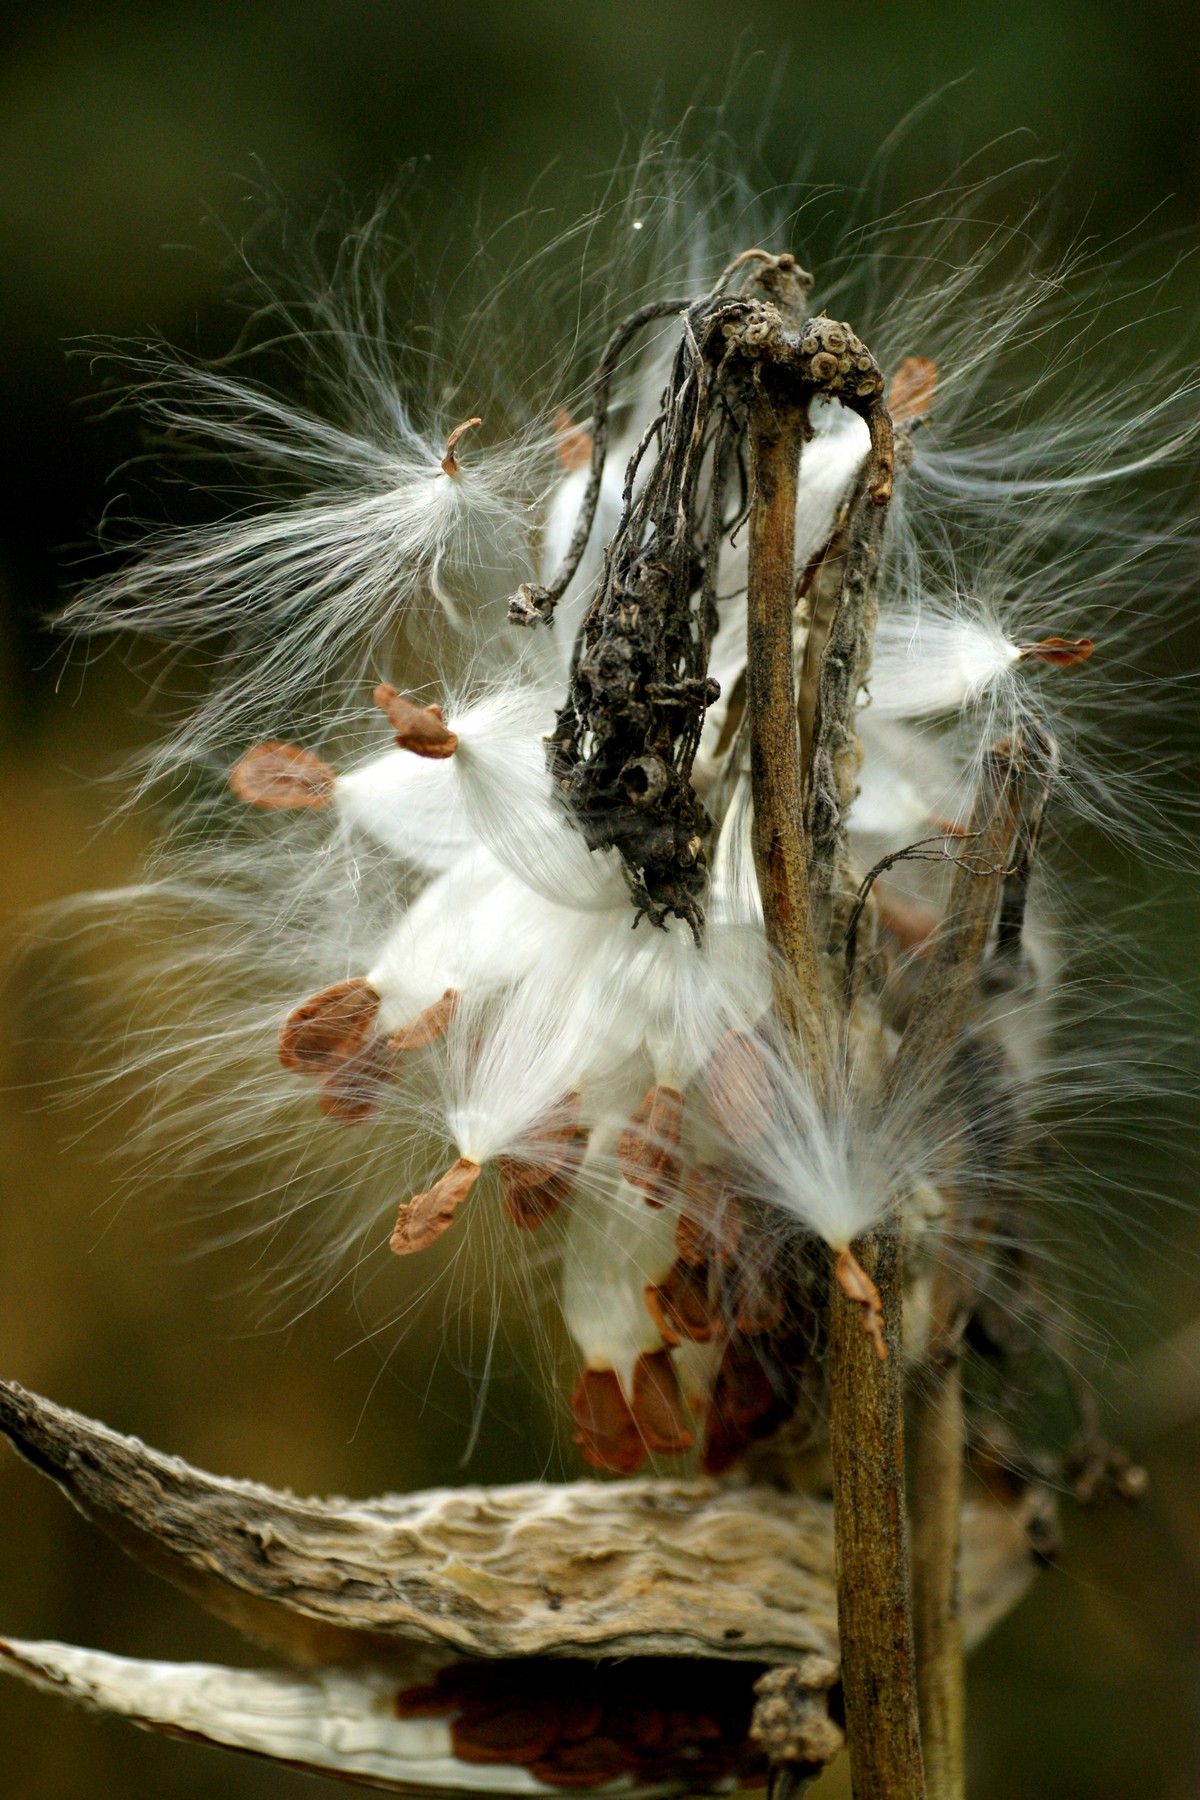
<point x="421" y="729"/>
<point x="281" y="778"/>
<point x="857" y="1285"/>
<point x="657" y="1406"/>
<point x="450" y="464"/>
<point x="757" y="1302"/>
<point x="1062" y="653"/>
<point x="709" y="1227"/>
<point x="325" y="1030"/>
<point x="737" y="1086"/>
<point x="680" y="1306"/>
<point x="911" y="393"/>
<point x="352" y="1092"/>
<point x="532" y="1193"/>
<point x="572" y="443"/>
<point x="744" y="1406"/>
<point x="647" y="1153"/>
<point x="605" y="1429"/>
<point x="353" y="1089"/>
<point x="422" y="1220"/>
<point x="428" y="1026"/>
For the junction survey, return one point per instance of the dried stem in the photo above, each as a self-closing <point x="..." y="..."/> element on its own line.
<point x="988" y="892"/>
<point x="938" y="1443"/>
<point x="777" y="432"/>
<point x="866" y="1389"/>
<point x="866" y="1432"/>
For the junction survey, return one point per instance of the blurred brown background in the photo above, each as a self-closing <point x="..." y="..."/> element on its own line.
<point x="131" y="138"/>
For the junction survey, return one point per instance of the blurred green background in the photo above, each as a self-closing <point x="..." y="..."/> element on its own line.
<point x="132" y="140"/>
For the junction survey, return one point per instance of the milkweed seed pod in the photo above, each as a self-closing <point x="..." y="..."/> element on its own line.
<point x="514" y="961"/>
<point x="615" y="848"/>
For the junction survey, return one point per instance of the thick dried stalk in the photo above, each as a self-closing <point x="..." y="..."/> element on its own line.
<point x="777" y="432"/>
<point x="866" y="1399"/>
<point x="938" y="1443"/>
<point x="866" y="1432"/>
<point x="991" y="879"/>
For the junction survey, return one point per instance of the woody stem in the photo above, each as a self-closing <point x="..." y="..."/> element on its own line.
<point x="866" y="1390"/>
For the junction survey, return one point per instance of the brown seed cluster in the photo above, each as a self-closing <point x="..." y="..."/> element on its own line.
<point x="575" y="1724"/>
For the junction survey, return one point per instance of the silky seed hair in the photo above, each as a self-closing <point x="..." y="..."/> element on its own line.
<point x="376" y="884"/>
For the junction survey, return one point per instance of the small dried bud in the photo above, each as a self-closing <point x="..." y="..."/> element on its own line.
<point x="531" y="605"/>
<point x="351" y="1092"/>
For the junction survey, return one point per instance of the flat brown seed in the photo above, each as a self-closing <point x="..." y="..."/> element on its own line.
<point x="737" y="1086"/>
<point x="422" y="1220"/>
<point x="709" y="1227"/>
<point x="505" y="1733"/>
<point x="428" y="1026"/>
<point x="646" y="1154"/>
<point x="572" y="442"/>
<point x="328" y="1027"/>
<point x="281" y="777"/>
<point x="421" y="729"/>
<point x="1062" y="653"/>
<point x="743" y="1407"/>
<point x="911" y="393"/>
<point x="605" y="1429"/>
<point x="591" y="1764"/>
<point x="428" y="1702"/>
<point x="680" y="1305"/>
<point x="657" y="1407"/>
<point x="351" y="1092"/>
<point x="912" y="926"/>
<point x="532" y="1193"/>
<point x="857" y="1285"/>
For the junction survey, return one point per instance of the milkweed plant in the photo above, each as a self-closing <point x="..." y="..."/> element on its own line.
<point x="621" y="835"/>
